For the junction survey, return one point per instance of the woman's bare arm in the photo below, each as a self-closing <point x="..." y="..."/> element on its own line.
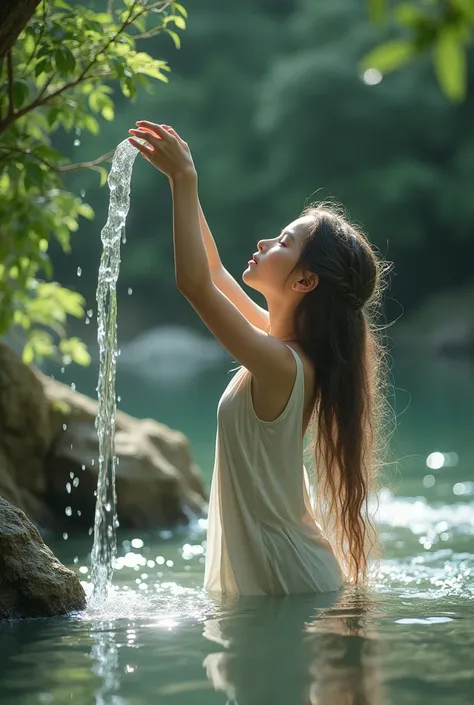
<point x="225" y="282"/>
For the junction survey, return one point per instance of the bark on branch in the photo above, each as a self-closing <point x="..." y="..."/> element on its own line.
<point x="14" y="16"/>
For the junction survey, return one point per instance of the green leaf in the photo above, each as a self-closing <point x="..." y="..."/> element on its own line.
<point x="28" y="354"/>
<point x="377" y="10"/>
<point x="465" y="7"/>
<point x="34" y="175"/>
<point x="179" y="22"/>
<point x="180" y="8"/>
<point x="104" y="18"/>
<point x="43" y="66"/>
<point x="389" y="56"/>
<point x="103" y="175"/>
<point x="85" y="210"/>
<point x="407" y="14"/>
<point x="64" y="60"/>
<point x="52" y="115"/>
<point x="90" y="123"/>
<point x="108" y="113"/>
<point x="76" y="350"/>
<point x="62" y="4"/>
<point x="175" y="37"/>
<point x="451" y="65"/>
<point x="21" y="92"/>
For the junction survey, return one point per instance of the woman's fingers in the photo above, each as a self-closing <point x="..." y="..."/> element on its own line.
<point x="147" y="124"/>
<point x="143" y="148"/>
<point x="148" y="137"/>
<point x="159" y="129"/>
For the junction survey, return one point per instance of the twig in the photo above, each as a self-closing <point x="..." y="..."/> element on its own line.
<point x="11" y="102"/>
<point x="1" y="71"/>
<point x="87" y="165"/>
<point x="66" y="167"/>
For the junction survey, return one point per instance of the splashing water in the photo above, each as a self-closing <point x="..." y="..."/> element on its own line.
<point x="104" y="546"/>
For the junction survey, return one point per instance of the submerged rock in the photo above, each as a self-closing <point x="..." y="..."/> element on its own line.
<point x="33" y="582"/>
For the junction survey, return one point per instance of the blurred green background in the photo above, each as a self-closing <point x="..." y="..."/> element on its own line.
<point x="270" y="96"/>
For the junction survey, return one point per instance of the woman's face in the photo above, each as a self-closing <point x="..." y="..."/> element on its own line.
<point x="277" y="257"/>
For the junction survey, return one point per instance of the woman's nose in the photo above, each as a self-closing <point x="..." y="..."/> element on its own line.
<point x="260" y="245"/>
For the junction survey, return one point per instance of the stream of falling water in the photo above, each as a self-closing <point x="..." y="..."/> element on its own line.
<point x="105" y="524"/>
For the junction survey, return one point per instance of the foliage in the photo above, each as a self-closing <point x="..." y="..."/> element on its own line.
<point x="444" y="27"/>
<point x="57" y="79"/>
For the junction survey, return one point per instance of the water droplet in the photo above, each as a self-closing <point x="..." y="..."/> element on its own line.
<point x="83" y="192"/>
<point x="77" y="143"/>
<point x="75" y="482"/>
<point x="64" y="426"/>
<point x="68" y="511"/>
<point x="129" y="291"/>
<point x="83" y="467"/>
<point x="76" y="560"/>
<point x="119" y="399"/>
<point x="68" y="489"/>
<point x="89" y="313"/>
<point x="71" y="475"/>
<point x="62" y="370"/>
<point x="65" y="536"/>
<point x="79" y="271"/>
<point x="79" y="513"/>
<point x="73" y="386"/>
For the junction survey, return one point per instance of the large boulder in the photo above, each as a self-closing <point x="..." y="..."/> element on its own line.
<point x="25" y="422"/>
<point x="33" y="583"/>
<point x="157" y="482"/>
<point x="49" y="457"/>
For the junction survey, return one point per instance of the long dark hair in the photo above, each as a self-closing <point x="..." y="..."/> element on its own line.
<point x="338" y="325"/>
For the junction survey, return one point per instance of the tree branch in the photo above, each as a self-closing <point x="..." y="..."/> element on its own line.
<point x="14" y="16"/>
<point x="67" y="167"/>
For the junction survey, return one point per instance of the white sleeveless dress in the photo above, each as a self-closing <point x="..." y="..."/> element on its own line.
<point x="263" y="538"/>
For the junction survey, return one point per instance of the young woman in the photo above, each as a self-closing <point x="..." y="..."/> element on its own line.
<point x="313" y="356"/>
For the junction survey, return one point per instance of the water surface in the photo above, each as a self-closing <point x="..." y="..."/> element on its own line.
<point x="162" y="640"/>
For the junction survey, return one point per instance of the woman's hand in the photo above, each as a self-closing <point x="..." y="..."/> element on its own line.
<point x="164" y="149"/>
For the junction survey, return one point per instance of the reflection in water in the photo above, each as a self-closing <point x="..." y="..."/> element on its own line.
<point x="105" y="654"/>
<point x="303" y="650"/>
